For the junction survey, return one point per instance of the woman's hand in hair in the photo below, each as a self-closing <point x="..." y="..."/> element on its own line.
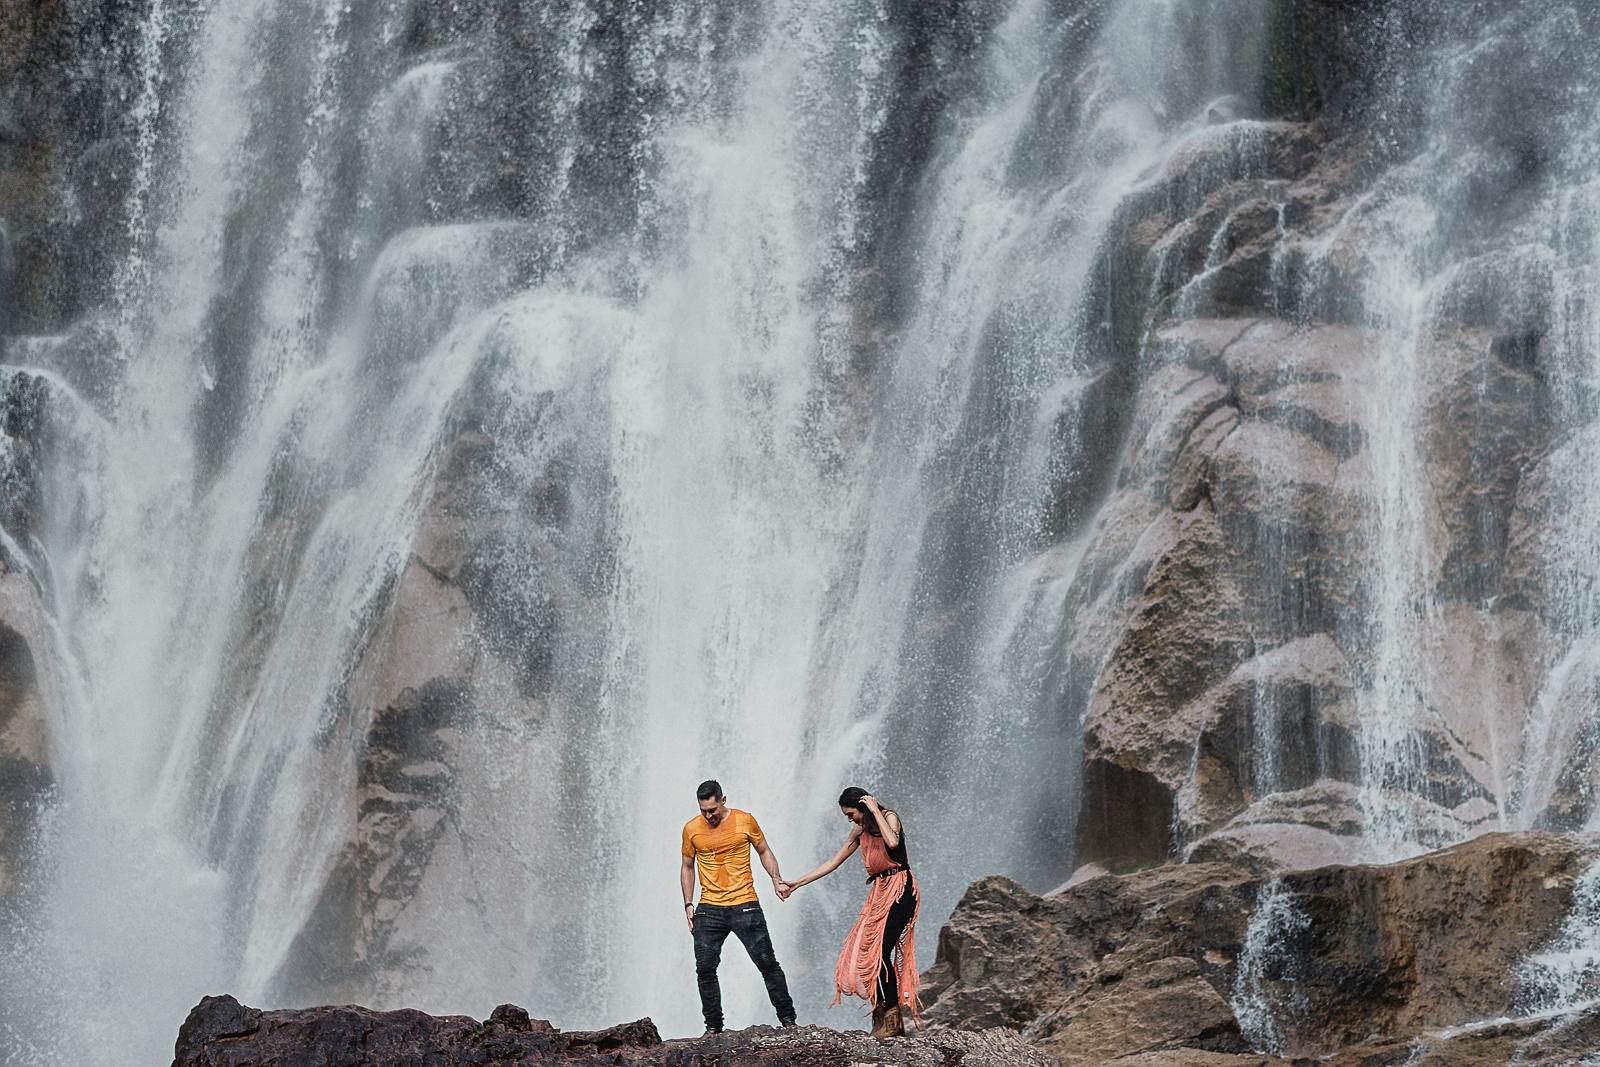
<point x="870" y="802"/>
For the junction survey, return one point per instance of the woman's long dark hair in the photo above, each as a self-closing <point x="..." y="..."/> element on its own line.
<point x="851" y="798"/>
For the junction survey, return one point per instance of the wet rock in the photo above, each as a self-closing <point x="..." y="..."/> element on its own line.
<point x="67" y="80"/>
<point x="1258" y="421"/>
<point x="26" y="683"/>
<point x="1175" y="644"/>
<point x="403" y="807"/>
<point x="220" y="1032"/>
<point x="1291" y="829"/>
<point x="465" y="650"/>
<point x="1272" y="727"/>
<point x="1160" y="959"/>
<point x="1558" y="1041"/>
<point x="1162" y="1005"/>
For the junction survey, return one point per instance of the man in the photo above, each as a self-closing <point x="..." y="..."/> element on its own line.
<point x="718" y="842"/>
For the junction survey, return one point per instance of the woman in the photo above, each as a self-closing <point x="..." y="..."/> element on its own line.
<point x="879" y="960"/>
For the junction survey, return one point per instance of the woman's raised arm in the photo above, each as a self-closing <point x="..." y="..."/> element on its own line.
<point x="888" y="822"/>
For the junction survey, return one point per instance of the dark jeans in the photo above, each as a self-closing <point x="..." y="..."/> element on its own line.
<point x="712" y="924"/>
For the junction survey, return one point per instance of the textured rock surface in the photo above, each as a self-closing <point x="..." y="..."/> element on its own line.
<point x="27" y="671"/>
<point x="1118" y="965"/>
<point x="25" y="775"/>
<point x="464" y="650"/>
<point x="1217" y="648"/>
<point x="220" y="1032"/>
<point x="1223" y="616"/>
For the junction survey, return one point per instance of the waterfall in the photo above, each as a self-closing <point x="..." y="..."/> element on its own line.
<point x="504" y="416"/>
<point x="650" y="347"/>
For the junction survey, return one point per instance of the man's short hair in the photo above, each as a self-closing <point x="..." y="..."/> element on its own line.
<point x="709" y="790"/>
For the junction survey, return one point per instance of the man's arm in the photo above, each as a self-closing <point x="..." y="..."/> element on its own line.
<point x="769" y="863"/>
<point x="686" y="880"/>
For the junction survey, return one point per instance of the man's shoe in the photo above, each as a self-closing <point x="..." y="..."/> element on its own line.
<point x="786" y="1023"/>
<point x="710" y="1031"/>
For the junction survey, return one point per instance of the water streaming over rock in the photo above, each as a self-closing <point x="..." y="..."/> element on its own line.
<point x="1265" y="996"/>
<point x="1564" y="976"/>
<point x="500" y="417"/>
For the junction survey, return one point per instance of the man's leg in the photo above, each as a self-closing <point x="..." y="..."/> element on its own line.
<point x="750" y="926"/>
<point x="710" y="931"/>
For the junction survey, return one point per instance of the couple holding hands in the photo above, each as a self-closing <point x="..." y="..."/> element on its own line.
<point x="878" y="961"/>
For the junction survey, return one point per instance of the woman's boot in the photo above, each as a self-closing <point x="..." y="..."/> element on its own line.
<point x="880" y="1023"/>
<point x="893" y="1024"/>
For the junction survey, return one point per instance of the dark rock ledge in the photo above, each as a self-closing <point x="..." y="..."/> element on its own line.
<point x="221" y="1032"/>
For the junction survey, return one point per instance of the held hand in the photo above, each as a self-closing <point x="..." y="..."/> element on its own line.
<point x="783" y="888"/>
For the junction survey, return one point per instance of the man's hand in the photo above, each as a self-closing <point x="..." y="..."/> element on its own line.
<point x="783" y="888"/>
<point x="688" y="910"/>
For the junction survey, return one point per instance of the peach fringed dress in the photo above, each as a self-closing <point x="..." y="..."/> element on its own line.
<point x="862" y="956"/>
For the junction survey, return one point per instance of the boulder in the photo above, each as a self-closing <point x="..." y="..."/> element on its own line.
<point x="1361" y="964"/>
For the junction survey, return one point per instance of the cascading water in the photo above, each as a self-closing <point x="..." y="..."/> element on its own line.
<point x="767" y="555"/>
<point x="1564" y="976"/>
<point x="1264" y="996"/>
<point x="1427" y="221"/>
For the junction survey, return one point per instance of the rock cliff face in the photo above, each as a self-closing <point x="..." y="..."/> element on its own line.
<point x="66" y="150"/>
<point x="66" y="157"/>
<point x="1236" y="607"/>
<point x="1344" y="965"/>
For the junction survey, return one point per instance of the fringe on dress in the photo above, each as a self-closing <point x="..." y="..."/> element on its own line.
<point x="862" y="957"/>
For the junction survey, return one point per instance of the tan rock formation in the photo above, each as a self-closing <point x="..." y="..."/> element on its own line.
<point x="1225" y="605"/>
<point x="1365" y="964"/>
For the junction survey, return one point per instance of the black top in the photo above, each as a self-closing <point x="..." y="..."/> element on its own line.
<point x="898" y="852"/>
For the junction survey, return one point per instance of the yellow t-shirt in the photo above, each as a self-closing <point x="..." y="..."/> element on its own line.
<point x="722" y="853"/>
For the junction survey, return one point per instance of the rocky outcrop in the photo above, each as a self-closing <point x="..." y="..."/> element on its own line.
<point x="25" y="777"/>
<point x="1292" y="431"/>
<point x="220" y="1032"/>
<point x="1346" y="964"/>
<point x="26" y="669"/>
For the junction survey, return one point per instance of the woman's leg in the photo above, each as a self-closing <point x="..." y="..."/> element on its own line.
<point x="900" y="915"/>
